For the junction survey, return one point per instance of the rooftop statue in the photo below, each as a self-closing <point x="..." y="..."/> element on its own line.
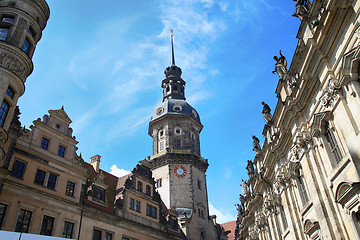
<point x="266" y="113"/>
<point x="250" y="168"/>
<point x="280" y="66"/>
<point x="256" y="145"/>
<point x="302" y="9"/>
<point x="244" y="187"/>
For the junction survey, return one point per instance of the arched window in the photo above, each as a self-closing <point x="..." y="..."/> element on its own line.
<point x="334" y="147"/>
<point x="202" y="236"/>
<point x="302" y="188"/>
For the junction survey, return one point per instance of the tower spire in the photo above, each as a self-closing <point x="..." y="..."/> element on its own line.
<point x="172" y="62"/>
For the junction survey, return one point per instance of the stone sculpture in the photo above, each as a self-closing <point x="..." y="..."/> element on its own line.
<point x="266" y="113"/>
<point x="280" y="66"/>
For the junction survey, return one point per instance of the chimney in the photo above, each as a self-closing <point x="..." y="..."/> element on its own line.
<point x="95" y="162"/>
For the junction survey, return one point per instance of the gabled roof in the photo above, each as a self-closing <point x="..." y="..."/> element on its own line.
<point x="109" y="180"/>
<point x="60" y="114"/>
<point x="230" y="226"/>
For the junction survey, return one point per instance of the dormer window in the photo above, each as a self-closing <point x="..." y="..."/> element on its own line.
<point x="99" y="193"/>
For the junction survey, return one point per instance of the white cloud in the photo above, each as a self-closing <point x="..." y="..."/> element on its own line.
<point x="119" y="172"/>
<point x="222" y="216"/>
<point x="223" y="6"/>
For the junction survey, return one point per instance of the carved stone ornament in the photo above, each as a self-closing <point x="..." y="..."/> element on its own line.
<point x="330" y="95"/>
<point x="300" y="146"/>
<point x="282" y="179"/>
<point x="260" y="222"/>
<point x="302" y="9"/>
<point x="268" y="205"/>
<point x="13" y="64"/>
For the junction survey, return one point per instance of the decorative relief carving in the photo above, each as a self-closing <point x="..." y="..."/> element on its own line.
<point x="300" y="145"/>
<point x="13" y="64"/>
<point x="330" y="95"/>
<point x="42" y="4"/>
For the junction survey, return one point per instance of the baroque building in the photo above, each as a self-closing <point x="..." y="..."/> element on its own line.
<point x="304" y="180"/>
<point x="46" y="188"/>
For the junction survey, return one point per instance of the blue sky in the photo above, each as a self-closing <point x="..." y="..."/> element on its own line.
<point x="104" y="62"/>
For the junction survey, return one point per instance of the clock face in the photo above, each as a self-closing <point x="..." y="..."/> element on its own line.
<point x="180" y="171"/>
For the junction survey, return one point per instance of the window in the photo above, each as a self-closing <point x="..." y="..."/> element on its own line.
<point x="23" y="221"/>
<point x="26" y="45"/>
<point x="70" y="189"/>
<point x="302" y="188"/>
<point x="125" y="238"/>
<point x="2" y="213"/>
<point x="199" y="184"/>
<point x="3" y="112"/>
<point x="99" y="193"/>
<point x="47" y="226"/>
<point x="68" y="229"/>
<point x="283" y="217"/>
<point x="334" y="147"/>
<point x="151" y="211"/>
<point x="8" y="19"/>
<point x="40" y="177"/>
<point x="161" y="145"/>
<point x="139" y="186"/>
<point x="44" y="143"/>
<point x="61" y="151"/>
<point x="193" y="147"/>
<point x="202" y="236"/>
<point x="159" y="183"/>
<point x="10" y="92"/>
<point x="201" y="213"/>
<point x="173" y="223"/>
<point x="3" y="33"/>
<point x="18" y="169"/>
<point x="51" y="181"/>
<point x="96" y="235"/>
<point x="132" y="204"/>
<point x="148" y="190"/>
<point x="138" y="206"/>
<point x="178" y="143"/>
<point x="31" y="32"/>
<point x="108" y="236"/>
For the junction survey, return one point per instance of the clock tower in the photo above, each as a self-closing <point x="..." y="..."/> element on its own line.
<point x="176" y="163"/>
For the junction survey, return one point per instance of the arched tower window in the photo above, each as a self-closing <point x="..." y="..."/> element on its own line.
<point x="202" y="236"/>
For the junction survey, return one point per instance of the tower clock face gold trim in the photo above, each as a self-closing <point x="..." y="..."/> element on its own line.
<point x="180" y="171"/>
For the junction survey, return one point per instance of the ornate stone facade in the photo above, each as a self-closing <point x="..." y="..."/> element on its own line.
<point x="306" y="183"/>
